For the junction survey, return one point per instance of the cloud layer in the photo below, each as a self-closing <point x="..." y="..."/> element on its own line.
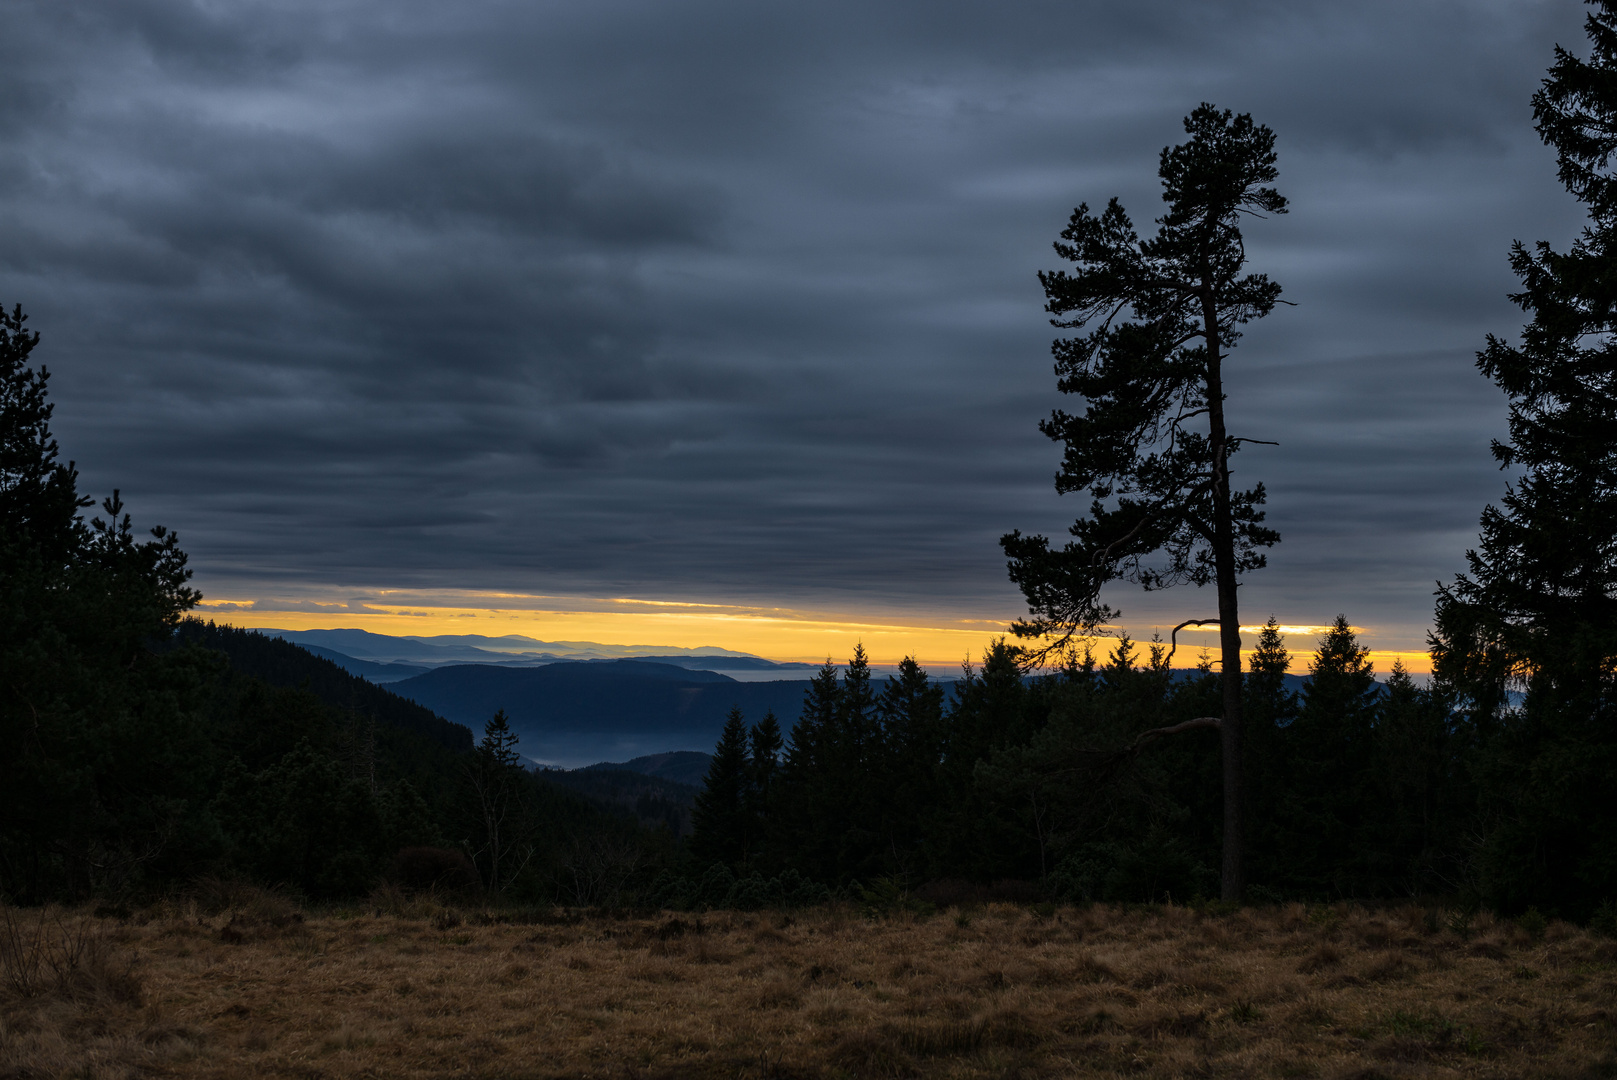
<point x="737" y="301"/>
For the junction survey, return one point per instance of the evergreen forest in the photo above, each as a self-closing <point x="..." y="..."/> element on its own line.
<point x="143" y="750"/>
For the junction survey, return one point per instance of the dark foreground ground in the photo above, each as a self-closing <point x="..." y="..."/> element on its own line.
<point x="412" y="989"/>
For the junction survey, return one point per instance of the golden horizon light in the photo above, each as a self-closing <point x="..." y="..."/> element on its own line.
<point x="778" y="633"/>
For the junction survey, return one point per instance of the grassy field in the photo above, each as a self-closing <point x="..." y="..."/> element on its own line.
<point x="401" y="990"/>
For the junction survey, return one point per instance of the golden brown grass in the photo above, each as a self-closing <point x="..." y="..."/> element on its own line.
<point x="1002" y="991"/>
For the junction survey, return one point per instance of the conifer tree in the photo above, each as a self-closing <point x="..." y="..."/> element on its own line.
<point x="761" y="801"/>
<point x="1341" y="681"/>
<point x="39" y="499"/>
<point x="856" y="785"/>
<point x="1270" y="710"/>
<point x="852" y="735"/>
<point x="815" y="722"/>
<point x="807" y="800"/>
<point x="1418" y="793"/>
<point x="911" y="712"/>
<point x="719" y="821"/>
<point x="98" y="730"/>
<point x="499" y="743"/>
<point x="502" y="804"/>
<point x="1537" y="609"/>
<point x="1152" y="447"/>
<point x="764" y="743"/>
<point x="989" y="711"/>
<point x="1267" y="695"/>
<point x="1329" y="758"/>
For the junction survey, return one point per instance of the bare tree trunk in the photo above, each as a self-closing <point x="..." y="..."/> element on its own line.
<point x="1230" y="731"/>
<point x="1233" y="878"/>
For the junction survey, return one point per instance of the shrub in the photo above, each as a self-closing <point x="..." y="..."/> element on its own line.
<point x="67" y="960"/>
<point x="424" y="869"/>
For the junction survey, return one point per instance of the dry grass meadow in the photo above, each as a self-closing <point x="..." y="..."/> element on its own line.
<point x="416" y="990"/>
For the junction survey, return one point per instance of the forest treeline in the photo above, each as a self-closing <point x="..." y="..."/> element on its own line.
<point x="140" y="749"/>
<point x="1115" y="779"/>
<point x="1359" y="788"/>
<point x="1120" y="779"/>
<point x="146" y="749"/>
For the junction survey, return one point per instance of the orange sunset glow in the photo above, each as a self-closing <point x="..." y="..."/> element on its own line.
<point x="776" y="633"/>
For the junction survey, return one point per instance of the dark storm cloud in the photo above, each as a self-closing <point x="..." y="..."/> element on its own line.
<point x="725" y="300"/>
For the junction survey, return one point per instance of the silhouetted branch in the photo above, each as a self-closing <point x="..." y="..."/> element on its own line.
<point x="1173" y="636"/>
<point x="1102" y="761"/>
<point x="1174" y="729"/>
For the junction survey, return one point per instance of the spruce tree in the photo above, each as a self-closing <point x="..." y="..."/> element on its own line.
<point x="99" y="729"/>
<point x="499" y="742"/>
<point x="1536" y="611"/>
<point x="764" y="742"/>
<point x="852" y="736"/>
<point x="39" y="499"/>
<point x="911" y="711"/>
<point x="1418" y="793"/>
<point x="807" y="800"/>
<point x="815" y="722"/>
<point x="1271" y="709"/>
<point x="502" y="806"/>
<point x="718" y="823"/>
<point x="1329" y="756"/>
<point x="1267" y="695"/>
<point x="989" y="711"/>
<point x="761" y="799"/>
<point x="1152" y="447"/>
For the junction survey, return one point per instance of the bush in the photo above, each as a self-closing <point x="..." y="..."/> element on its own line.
<point x="1604" y="921"/>
<point x="67" y="960"/>
<point x="425" y="869"/>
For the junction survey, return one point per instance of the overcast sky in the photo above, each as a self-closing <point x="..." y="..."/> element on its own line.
<point x="736" y="302"/>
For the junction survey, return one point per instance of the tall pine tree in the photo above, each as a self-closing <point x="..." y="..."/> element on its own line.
<point x="1152" y="447"/>
<point x="99" y="731"/>
<point x="1536" y="611"/>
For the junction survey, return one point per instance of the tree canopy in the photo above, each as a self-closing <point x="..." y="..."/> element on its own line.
<point x="1151" y="447"/>
<point x="1536" y="612"/>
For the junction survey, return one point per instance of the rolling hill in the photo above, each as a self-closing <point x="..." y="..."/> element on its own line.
<point x="282" y="663"/>
<point x="579" y="713"/>
<point x="688" y="767"/>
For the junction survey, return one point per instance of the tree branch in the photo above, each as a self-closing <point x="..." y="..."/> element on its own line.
<point x="1113" y="759"/>
<point x="1173" y="636"/>
<point x="1174" y="729"/>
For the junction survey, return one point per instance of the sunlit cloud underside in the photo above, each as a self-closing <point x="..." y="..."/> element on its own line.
<point x="941" y="643"/>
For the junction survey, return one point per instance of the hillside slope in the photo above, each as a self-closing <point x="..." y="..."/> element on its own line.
<point x="581" y="713"/>
<point x="688" y="767"/>
<point x="281" y="663"/>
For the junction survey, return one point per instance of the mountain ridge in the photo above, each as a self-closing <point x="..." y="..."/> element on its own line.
<point x="688" y="767"/>
<point x="368" y="645"/>
<point x="578" y="713"/>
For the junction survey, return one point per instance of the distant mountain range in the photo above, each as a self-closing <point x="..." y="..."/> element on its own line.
<point x="378" y="673"/>
<point x="573" y="713"/>
<point x="383" y="658"/>
<point x="662" y="710"/>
